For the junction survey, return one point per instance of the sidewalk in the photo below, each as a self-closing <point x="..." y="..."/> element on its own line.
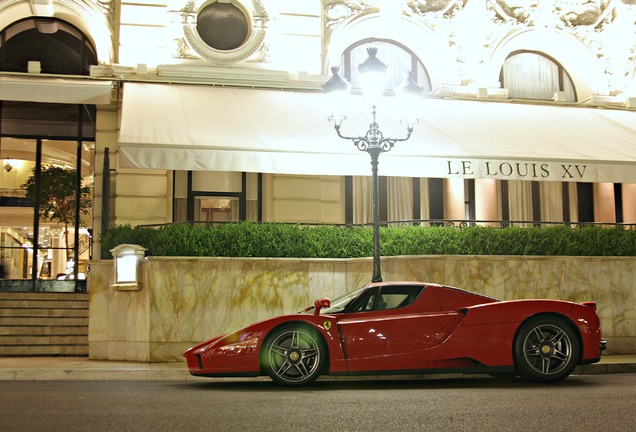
<point x="83" y="369"/>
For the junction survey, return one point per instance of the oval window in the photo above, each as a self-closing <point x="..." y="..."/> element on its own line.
<point x="222" y="26"/>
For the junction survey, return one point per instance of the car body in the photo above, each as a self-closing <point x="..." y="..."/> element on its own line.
<point x="405" y="328"/>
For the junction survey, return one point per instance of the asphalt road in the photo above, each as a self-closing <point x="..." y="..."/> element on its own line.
<point x="580" y="403"/>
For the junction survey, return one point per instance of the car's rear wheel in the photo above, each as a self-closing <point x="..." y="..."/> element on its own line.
<point x="294" y="355"/>
<point x="546" y="349"/>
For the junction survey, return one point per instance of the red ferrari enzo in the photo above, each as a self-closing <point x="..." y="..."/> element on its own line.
<point x="408" y="328"/>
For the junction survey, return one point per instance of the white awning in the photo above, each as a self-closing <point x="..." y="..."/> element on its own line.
<point x="55" y="90"/>
<point x="189" y="127"/>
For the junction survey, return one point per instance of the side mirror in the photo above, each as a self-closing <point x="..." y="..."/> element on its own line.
<point x="320" y="304"/>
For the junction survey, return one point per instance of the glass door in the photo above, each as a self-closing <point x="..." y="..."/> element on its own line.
<point x="45" y="196"/>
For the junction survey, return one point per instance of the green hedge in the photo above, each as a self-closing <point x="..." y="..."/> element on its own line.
<point x="246" y="239"/>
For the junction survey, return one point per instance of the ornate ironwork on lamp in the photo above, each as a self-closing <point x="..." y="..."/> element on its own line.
<point x="373" y="83"/>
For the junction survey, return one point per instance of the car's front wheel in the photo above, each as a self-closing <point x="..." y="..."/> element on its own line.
<point x="546" y="349"/>
<point x="294" y="355"/>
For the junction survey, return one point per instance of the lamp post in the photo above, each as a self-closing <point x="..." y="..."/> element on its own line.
<point x="372" y="77"/>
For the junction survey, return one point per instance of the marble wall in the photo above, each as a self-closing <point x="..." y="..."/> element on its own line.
<point x="185" y="300"/>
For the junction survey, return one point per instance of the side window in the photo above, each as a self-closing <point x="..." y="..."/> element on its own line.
<point x="389" y="297"/>
<point x="398" y="296"/>
<point x="365" y="302"/>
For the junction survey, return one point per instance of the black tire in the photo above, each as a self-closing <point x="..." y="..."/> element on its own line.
<point x="294" y="355"/>
<point x="546" y="349"/>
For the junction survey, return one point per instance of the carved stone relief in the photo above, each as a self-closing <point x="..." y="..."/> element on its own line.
<point x="337" y="11"/>
<point x="584" y="12"/>
<point x="421" y="7"/>
<point x="570" y="12"/>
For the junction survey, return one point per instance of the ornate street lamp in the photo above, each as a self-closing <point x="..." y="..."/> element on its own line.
<point x="372" y="80"/>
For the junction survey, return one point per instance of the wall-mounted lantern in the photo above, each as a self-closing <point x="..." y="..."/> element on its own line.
<point x="127" y="266"/>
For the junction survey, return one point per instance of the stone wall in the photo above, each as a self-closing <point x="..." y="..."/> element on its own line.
<point x="185" y="300"/>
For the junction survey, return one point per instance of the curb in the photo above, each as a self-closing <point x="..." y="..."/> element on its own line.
<point x="85" y="371"/>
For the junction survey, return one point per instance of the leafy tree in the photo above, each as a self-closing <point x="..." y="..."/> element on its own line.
<point x="57" y="195"/>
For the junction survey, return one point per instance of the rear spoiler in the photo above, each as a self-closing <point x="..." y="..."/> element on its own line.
<point x="590" y="304"/>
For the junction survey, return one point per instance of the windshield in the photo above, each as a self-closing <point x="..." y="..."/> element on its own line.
<point x="339" y="304"/>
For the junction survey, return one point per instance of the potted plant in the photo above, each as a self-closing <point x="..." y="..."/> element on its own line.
<point x="57" y="189"/>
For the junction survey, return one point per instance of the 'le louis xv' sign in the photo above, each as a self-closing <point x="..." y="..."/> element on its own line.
<point x="520" y="170"/>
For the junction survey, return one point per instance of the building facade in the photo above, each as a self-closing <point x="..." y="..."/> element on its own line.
<point x="213" y="111"/>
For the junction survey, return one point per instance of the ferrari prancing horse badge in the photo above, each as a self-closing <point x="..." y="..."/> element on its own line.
<point x="327" y="325"/>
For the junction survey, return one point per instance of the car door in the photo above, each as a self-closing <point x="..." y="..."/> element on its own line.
<point x="392" y="328"/>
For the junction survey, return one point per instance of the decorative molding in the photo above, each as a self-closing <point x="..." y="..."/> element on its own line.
<point x="191" y="41"/>
<point x="471" y="92"/>
<point x="422" y="7"/>
<point x="182" y="49"/>
<point x="43" y="8"/>
<point x="621" y="100"/>
<point x="107" y="7"/>
<point x="338" y="11"/>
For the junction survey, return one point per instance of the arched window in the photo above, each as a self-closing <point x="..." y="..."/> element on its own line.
<point x="58" y="46"/>
<point x="532" y="75"/>
<point x="400" y="60"/>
